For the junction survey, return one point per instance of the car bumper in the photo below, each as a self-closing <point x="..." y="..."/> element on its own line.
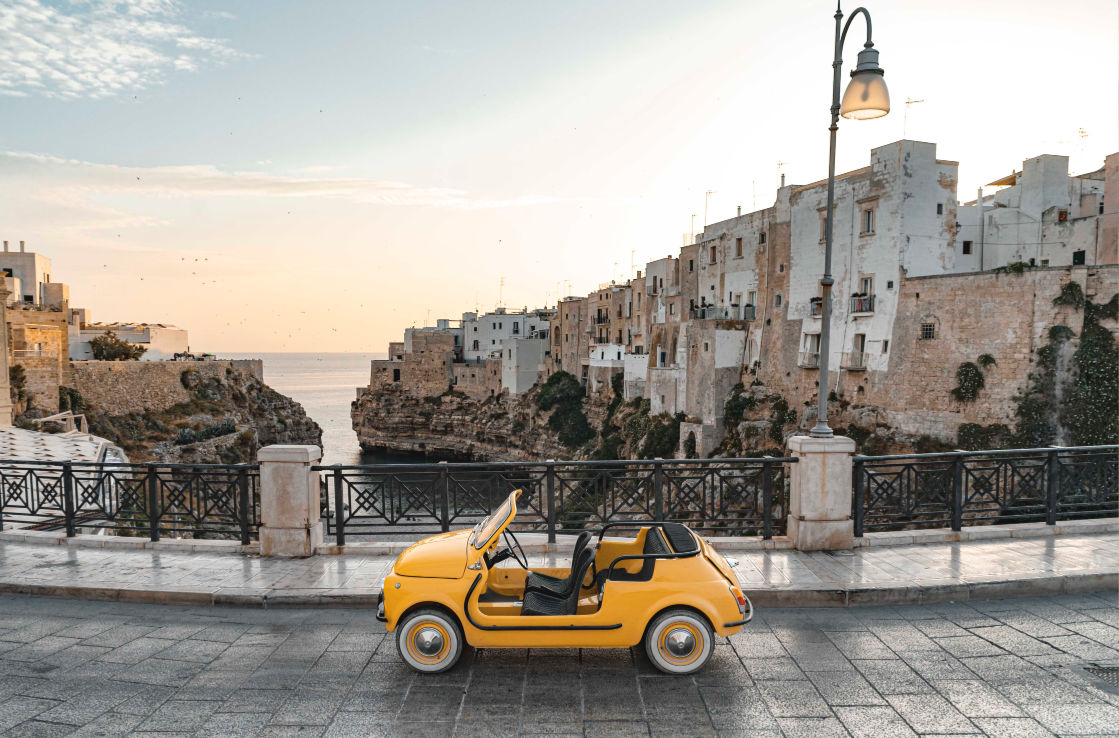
<point x="749" y="615"/>
<point x="381" y="607"/>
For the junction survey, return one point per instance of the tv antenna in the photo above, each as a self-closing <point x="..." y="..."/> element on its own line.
<point x="905" y="118"/>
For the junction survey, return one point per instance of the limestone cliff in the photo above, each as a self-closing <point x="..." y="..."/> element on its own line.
<point x="453" y="426"/>
<point x="551" y="421"/>
<point x="193" y="412"/>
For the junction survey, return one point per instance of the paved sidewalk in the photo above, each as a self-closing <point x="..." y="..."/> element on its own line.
<point x="1001" y="669"/>
<point x="874" y="575"/>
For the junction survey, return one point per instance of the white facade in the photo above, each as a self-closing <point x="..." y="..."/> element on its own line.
<point x="1041" y="217"/>
<point x="522" y="361"/>
<point x="897" y="214"/>
<point x="161" y="341"/>
<point x="31" y="269"/>
<point x="484" y="336"/>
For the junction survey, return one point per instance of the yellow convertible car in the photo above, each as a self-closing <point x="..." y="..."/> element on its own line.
<point x="667" y="588"/>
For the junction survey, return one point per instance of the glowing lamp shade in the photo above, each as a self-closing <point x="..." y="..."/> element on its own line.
<point x="866" y="95"/>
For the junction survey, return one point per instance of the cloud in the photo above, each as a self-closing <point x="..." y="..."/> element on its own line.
<point x="56" y="179"/>
<point x="98" y="48"/>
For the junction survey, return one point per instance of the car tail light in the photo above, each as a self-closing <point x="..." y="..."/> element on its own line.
<point x="740" y="598"/>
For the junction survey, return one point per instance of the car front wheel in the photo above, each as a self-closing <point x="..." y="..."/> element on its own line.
<point x="429" y="641"/>
<point x="679" y="641"/>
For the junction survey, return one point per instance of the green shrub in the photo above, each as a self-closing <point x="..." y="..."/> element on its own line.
<point x="1071" y="294"/>
<point x="976" y="437"/>
<point x="107" y="347"/>
<point x="969" y="380"/>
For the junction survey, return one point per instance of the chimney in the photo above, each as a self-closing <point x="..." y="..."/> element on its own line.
<point x="782" y="179"/>
<point x="22" y="245"/>
<point x="740" y="210"/>
<point x="5" y="247"/>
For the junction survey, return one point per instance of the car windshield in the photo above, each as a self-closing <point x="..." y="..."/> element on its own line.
<point x="484" y="531"/>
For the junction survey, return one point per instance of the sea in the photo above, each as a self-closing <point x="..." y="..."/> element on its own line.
<point x="325" y="385"/>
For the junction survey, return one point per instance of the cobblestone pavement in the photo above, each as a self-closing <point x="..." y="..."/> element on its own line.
<point x="999" y="668"/>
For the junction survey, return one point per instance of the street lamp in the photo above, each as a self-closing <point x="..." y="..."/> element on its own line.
<point x="866" y="97"/>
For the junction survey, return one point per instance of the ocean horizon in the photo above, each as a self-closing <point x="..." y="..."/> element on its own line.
<point x="324" y="384"/>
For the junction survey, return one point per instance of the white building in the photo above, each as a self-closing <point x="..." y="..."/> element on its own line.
<point x="897" y="214"/>
<point x="32" y="270"/>
<point x="161" y="341"/>
<point x="484" y="336"/>
<point x="1040" y="217"/>
<point x="522" y="362"/>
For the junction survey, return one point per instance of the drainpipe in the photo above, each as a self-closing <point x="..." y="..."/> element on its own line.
<point x="982" y="226"/>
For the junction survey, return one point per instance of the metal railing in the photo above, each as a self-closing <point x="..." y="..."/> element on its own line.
<point x="741" y="497"/>
<point x="155" y="500"/>
<point x="853" y="361"/>
<point x="985" y="487"/>
<point x="723" y="312"/>
<point x="863" y="304"/>
<point x="808" y="359"/>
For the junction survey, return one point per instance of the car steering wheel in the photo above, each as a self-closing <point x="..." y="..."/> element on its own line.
<point x="514" y="547"/>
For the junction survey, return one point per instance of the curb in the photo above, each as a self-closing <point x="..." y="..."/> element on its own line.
<point x="770" y="597"/>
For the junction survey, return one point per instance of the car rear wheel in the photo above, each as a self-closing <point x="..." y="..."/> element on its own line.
<point x="429" y="641"/>
<point x="679" y="641"/>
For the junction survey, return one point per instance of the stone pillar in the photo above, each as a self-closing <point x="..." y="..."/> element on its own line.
<point x="290" y="523"/>
<point x="820" y="493"/>
<point x="6" y="409"/>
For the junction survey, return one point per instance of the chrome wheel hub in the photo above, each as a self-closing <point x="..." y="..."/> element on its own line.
<point x="680" y="642"/>
<point x="429" y="641"/>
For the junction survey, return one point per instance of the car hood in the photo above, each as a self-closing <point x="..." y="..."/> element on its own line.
<point x="442" y="557"/>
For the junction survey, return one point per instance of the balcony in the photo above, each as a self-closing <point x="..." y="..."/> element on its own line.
<point x="854" y="361"/>
<point x="816" y="306"/>
<point x="650" y="289"/>
<point x="862" y="304"/>
<point x="602" y="320"/>
<point x="809" y="360"/>
<point x="723" y="312"/>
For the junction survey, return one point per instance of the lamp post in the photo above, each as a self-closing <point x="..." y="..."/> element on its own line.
<point x="866" y="97"/>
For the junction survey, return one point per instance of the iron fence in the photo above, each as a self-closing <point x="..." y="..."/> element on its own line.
<point x="154" y="500"/>
<point x="985" y="487"/>
<point x="723" y="497"/>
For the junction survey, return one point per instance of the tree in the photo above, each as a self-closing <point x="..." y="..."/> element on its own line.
<point x="107" y="347"/>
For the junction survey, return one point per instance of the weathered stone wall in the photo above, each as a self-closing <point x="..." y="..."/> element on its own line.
<point x="38" y="341"/>
<point x="1005" y="315"/>
<point x="119" y="387"/>
<point x="478" y="380"/>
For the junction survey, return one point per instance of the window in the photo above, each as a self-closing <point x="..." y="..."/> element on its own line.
<point x="516" y="328"/>
<point x="705" y="345"/>
<point x="475" y="329"/>
<point x="967" y="248"/>
<point x="738" y="246"/>
<point x="691" y="265"/>
<point x="781" y="268"/>
<point x="1062" y="215"/>
<point x="889" y="284"/>
<point x="761" y="238"/>
<point x="1078" y="258"/>
<point x="751" y="297"/>
<point x="619" y="356"/>
<point x="885" y="346"/>
<point x="396" y="375"/>
<point x="940" y="208"/>
<point x="777" y="300"/>
<point x="867" y="221"/>
<point x="866" y="285"/>
<point x="823" y="226"/>
<point x="713" y="255"/>
<point x="475" y="346"/>
<point x="1045" y="262"/>
<point x="671" y="308"/>
<point x="928" y="331"/>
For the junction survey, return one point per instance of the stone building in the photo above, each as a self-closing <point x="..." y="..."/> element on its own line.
<point x="484" y="336"/>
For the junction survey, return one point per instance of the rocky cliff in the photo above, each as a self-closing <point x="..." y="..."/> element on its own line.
<point x="213" y="412"/>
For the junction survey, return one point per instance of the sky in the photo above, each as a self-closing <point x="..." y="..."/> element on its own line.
<point x="294" y="176"/>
